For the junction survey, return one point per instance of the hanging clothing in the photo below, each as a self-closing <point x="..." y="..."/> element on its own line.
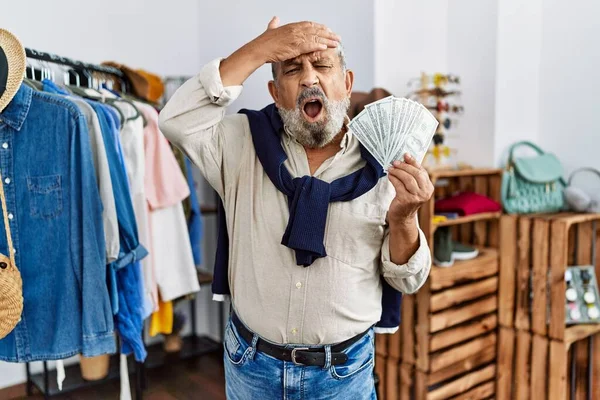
<point x="195" y="224"/>
<point x="162" y="320"/>
<point x="166" y="187"/>
<point x="130" y="318"/>
<point x="54" y="203"/>
<point x="109" y="212"/>
<point x="191" y="206"/>
<point x="132" y="142"/>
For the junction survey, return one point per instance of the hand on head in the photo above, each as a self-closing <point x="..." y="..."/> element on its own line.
<point x="289" y="41"/>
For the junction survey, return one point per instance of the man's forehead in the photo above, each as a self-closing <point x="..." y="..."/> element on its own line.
<point x="326" y="55"/>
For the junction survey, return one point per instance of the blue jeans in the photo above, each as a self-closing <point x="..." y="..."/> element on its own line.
<point x="251" y="375"/>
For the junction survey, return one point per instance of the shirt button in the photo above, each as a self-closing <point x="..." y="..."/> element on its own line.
<point x="298" y="285"/>
<point x="10" y="216"/>
<point x="5" y="145"/>
<point x="7" y="181"/>
<point x="294" y="331"/>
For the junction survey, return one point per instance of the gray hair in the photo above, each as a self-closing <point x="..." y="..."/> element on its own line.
<point x="341" y="55"/>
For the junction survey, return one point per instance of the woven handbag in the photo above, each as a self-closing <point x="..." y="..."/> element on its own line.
<point x="533" y="184"/>
<point x="11" y="285"/>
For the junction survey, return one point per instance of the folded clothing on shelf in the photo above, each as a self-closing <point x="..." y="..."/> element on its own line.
<point x="447" y="215"/>
<point x="467" y="203"/>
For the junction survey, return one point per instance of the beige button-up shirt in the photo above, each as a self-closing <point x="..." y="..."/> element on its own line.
<point x="335" y="298"/>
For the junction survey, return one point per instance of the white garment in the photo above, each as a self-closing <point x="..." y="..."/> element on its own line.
<point x="105" y="187"/>
<point x="172" y="253"/>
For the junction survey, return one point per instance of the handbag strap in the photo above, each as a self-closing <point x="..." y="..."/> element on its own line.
<point x="584" y="169"/>
<point x="519" y="144"/>
<point x="11" y="249"/>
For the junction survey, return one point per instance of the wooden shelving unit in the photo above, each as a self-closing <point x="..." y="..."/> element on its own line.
<point x="542" y="357"/>
<point x="447" y="344"/>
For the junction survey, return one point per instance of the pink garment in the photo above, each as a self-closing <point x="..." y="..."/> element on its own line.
<point x="166" y="187"/>
<point x="165" y="183"/>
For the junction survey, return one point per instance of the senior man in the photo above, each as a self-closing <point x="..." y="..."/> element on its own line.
<point x="313" y="223"/>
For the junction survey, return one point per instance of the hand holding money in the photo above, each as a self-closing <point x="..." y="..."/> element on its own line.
<point x="413" y="189"/>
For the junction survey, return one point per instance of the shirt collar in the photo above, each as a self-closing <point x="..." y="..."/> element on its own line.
<point x="15" y="113"/>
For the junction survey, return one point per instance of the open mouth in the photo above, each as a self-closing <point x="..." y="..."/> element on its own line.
<point x="312" y="109"/>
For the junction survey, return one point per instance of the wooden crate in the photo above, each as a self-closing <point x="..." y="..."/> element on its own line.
<point x="535" y="252"/>
<point x="452" y="342"/>
<point x="388" y="358"/>
<point x="476" y="383"/>
<point x="535" y="367"/>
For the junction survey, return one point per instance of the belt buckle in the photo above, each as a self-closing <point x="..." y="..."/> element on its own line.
<point x="294" y="354"/>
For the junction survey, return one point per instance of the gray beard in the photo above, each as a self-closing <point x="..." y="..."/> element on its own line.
<point x="316" y="134"/>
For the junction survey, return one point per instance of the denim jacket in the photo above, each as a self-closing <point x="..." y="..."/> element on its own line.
<point x="124" y="275"/>
<point x="55" y="216"/>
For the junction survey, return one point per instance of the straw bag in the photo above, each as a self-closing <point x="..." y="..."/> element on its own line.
<point x="11" y="285"/>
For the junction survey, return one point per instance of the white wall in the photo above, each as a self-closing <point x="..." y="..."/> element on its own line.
<point x="163" y="37"/>
<point x="471" y="54"/>
<point x="456" y="37"/>
<point x="518" y="61"/>
<point x="569" y="88"/>
<point x="231" y="23"/>
<point x="410" y="37"/>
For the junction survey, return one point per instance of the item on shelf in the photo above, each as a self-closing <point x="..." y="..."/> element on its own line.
<point x="439" y="218"/>
<point x="448" y="215"/>
<point x="391" y="127"/>
<point x="446" y="251"/>
<point x="467" y="203"/>
<point x="94" y="368"/>
<point x="442" y="247"/>
<point x="532" y="184"/>
<point x="12" y="69"/>
<point x="579" y="199"/>
<point x="582" y="300"/>
<point x="462" y="252"/>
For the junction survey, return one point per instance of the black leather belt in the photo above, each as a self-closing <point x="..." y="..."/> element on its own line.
<point x="299" y="356"/>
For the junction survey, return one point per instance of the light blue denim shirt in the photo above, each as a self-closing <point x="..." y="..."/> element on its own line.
<point x="55" y="216"/>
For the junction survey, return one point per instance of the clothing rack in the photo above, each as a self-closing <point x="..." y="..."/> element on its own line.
<point x="79" y="67"/>
<point x="48" y="57"/>
<point x="194" y="344"/>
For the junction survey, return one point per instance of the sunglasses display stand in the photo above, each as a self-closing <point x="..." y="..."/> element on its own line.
<point x="433" y="92"/>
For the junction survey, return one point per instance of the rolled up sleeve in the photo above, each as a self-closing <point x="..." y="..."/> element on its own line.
<point x="407" y="278"/>
<point x="195" y="120"/>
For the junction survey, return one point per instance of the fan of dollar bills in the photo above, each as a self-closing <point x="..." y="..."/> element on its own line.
<point x="392" y="127"/>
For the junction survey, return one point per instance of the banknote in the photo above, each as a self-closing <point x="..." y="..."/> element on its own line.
<point x="391" y="127"/>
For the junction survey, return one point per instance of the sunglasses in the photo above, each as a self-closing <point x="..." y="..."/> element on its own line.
<point x="448" y="123"/>
<point x="436" y="92"/>
<point x="443" y="106"/>
<point x="437" y="79"/>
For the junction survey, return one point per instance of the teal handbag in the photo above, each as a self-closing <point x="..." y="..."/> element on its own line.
<point x="533" y="184"/>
